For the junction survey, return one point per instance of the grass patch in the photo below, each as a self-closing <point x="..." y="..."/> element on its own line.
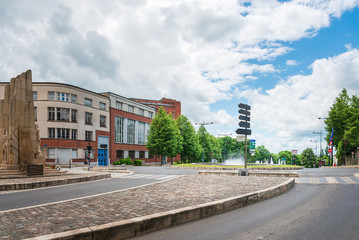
<point x="236" y="166"/>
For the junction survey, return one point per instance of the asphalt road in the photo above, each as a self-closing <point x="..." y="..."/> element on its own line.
<point x="307" y="211"/>
<point x="33" y="197"/>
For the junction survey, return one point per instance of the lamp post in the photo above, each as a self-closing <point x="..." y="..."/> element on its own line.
<point x="330" y="162"/>
<point x="320" y="149"/>
<point x="225" y="135"/>
<point x="202" y="124"/>
<point x="89" y="147"/>
<point x="316" y="147"/>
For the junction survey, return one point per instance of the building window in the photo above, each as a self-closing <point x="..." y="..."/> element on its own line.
<point x="141" y="133"/>
<point x="130" y="109"/>
<point x="88" y="135"/>
<point x="63" y="114"/>
<point x="118" y="129"/>
<point x="131" y="154"/>
<point x="173" y="114"/>
<point x="88" y="118"/>
<point x="35" y="113"/>
<point x="141" y="112"/>
<point x="51" y="96"/>
<point x="63" y="133"/>
<point x="51" y="132"/>
<point x="88" y="102"/>
<point x="73" y="98"/>
<point x="102" y="106"/>
<point x="102" y="121"/>
<point x="73" y="115"/>
<point x="34" y="95"/>
<point x="51" y="114"/>
<point x="118" y="105"/>
<point x="63" y="97"/>
<point x="73" y="134"/>
<point x="131" y="131"/>
<point x="119" y="154"/>
<point x="142" y="154"/>
<point x="51" y="152"/>
<point x="150" y="114"/>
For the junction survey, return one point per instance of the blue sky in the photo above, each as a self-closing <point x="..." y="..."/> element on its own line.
<point x="287" y="59"/>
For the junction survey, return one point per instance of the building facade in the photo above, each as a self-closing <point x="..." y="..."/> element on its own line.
<point x="70" y="119"/>
<point x="129" y="125"/>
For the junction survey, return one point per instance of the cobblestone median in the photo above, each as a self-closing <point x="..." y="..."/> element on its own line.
<point x="126" y="204"/>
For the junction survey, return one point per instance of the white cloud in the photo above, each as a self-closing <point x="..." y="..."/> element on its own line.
<point x="290" y="111"/>
<point x="291" y="62"/>
<point x="197" y="52"/>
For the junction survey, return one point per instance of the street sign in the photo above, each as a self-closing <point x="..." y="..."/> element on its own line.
<point x="245" y="106"/>
<point x="329" y="150"/>
<point x="241" y="117"/>
<point x="244" y="131"/>
<point x="252" y="144"/>
<point x="241" y="138"/>
<point x="244" y="112"/>
<point x="103" y="146"/>
<point x="244" y="124"/>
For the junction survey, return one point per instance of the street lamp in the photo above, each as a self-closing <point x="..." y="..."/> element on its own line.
<point x="320" y="154"/>
<point x="316" y="147"/>
<point x="330" y="162"/>
<point x="202" y="124"/>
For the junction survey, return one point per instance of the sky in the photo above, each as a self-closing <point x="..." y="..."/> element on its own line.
<point x="288" y="60"/>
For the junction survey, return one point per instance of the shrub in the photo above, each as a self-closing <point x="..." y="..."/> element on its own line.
<point x="174" y="163"/>
<point x="117" y="163"/>
<point x="137" y="162"/>
<point x="126" y="161"/>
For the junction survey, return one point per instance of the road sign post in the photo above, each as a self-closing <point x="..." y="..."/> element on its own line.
<point x="244" y="117"/>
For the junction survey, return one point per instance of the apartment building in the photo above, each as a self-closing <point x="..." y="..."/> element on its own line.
<point x="70" y="119"/>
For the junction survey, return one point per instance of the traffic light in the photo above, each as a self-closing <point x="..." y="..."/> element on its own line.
<point x="244" y="115"/>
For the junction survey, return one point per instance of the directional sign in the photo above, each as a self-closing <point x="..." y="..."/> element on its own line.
<point x="244" y="112"/>
<point x="244" y="131"/>
<point x="241" y="117"/>
<point x="245" y="106"/>
<point x="244" y="124"/>
<point x="252" y="144"/>
<point x="241" y="138"/>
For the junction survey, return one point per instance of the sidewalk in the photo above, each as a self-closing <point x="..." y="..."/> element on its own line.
<point x="138" y="210"/>
<point x="74" y="175"/>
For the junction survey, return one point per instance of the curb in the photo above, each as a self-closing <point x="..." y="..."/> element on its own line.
<point x="137" y="226"/>
<point x="252" y="173"/>
<point x="50" y="183"/>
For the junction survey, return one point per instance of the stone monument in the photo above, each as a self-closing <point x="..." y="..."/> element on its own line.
<point x="20" y="139"/>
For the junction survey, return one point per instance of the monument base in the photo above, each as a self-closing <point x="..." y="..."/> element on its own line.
<point x="33" y="169"/>
<point x="9" y="167"/>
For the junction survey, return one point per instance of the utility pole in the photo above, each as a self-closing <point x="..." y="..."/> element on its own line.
<point x="320" y="151"/>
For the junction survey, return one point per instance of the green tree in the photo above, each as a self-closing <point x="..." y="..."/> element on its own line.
<point x="191" y="150"/>
<point x="261" y="154"/>
<point x="274" y="158"/>
<point x="285" y="154"/>
<point x="164" y="137"/>
<point x="344" y="120"/>
<point x="308" y="157"/>
<point x="216" y="151"/>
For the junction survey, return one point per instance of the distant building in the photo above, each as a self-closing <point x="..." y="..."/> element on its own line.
<point x="169" y="105"/>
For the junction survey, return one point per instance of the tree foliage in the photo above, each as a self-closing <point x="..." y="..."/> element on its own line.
<point x="164" y="137"/>
<point x="261" y="154"/>
<point x="191" y="149"/>
<point x="344" y="120"/>
<point x="308" y="157"/>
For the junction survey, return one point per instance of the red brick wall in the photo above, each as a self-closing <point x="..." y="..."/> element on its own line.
<point x="122" y="146"/>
